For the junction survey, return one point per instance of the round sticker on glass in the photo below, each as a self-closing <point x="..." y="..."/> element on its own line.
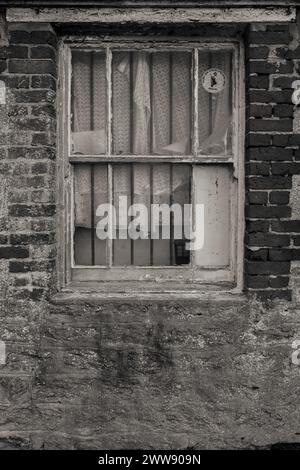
<point x="213" y="80"/>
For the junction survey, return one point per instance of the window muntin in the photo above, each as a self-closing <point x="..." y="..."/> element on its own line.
<point x="204" y="161"/>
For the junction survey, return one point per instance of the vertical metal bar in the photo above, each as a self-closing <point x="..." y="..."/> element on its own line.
<point x="191" y="203"/>
<point x="210" y="98"/>
<point x="195" y="144"/>
<point x="190" y="85"/>
<point x="195" y="104"/>
<point x="151" y="153"/>
<point x="92" y="215"/>
<point x="171" y="216"/>
<point x="92" y="56"/>
<point x="131" y="85"/>
<point x="110" y="189"/>
<point x="131" y="99"/>
<point x="92" y="166"/>
<point x="151" y="221"/>
<point x="171" y="141"/>
<point x="131" y="202"/>
<point x="109" y="79"/>
<point x="192" y="211"/>
<point x="151" y="102"/>
<point x="231" y="84"/>
<point x="171" y="97"/>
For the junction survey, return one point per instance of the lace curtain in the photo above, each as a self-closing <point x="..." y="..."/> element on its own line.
<point x="152" y="109"/>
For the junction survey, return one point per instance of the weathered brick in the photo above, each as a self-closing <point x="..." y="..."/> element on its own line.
<point x="39" y="168"/>
<point x="260" y="110"/>
<point x="282" y="125"/>
<point x="267" y="212"/>
<point x="33" y="37"/>
<point x="257" y="52"/>
<point x="279" y="281"/>
<point x="31" y="66"/>
<point x="32" y="239"/>
<point x="43" y="52"/>
<point x="257" y="197"/>
<point x="279" y="197"/>
<point x="270" y="96"/>
<point x="18" y="52"/>
<point x="286" y="226"/>
<point x="268" y="267"/>
<point x="257" y="254"/>
<point x="263" y="67"/>
<point x="280" y="255"/>
<point x="283" y="110"/>
<point x="3" y="65"/>
<point x="258" y="168"/>
<point x="3" y="239"/>
<point x="285" y="168"/>
<point x="272" y="294"/>
<point x="258" y="282"/>
<point x="259" y="81"/>
<point x="31" y="153"/>
<point x="268" y="239"/>
<point x="269" y="182"/>
<point x="44" y="138"/>
<point x="269" y="37"/>
<point x="257" y="226"/>
<point x="23" y="210"/>
<point x="284" y="82"/>
<point x="13" y="252"/>
<point x="270" y="154"/>
<point x="258" y="140"/>
<point x="30" y="266"/>
<point x="34" y="96"/>
<point x="16" y="81"/>
<point x="43" y="81"/>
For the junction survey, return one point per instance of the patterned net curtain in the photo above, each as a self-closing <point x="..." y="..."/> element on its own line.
<point x="151" y="115"/>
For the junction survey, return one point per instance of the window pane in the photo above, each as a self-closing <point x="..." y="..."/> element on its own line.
<point x="151" y="103"/>
<point x="212" y="189"/>
<point x="215" y="102"/>
<point x="90" y="190"/>
<point x="142" y="185"/>
<point x="88" y="103"/>
<point x="135" y="187"/>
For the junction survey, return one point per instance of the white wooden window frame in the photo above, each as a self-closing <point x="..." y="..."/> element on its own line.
<point x="187" y="277"/>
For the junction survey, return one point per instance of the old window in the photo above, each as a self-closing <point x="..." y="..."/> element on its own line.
<point x="144" y="125"/>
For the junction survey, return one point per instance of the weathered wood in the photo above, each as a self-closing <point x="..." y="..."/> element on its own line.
<point x="151" y="15"/>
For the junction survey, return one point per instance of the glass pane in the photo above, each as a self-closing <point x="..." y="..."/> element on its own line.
<point x="215" y="102"/>
<point x="212" y="190"/>
<point x="88" y="104"/>
<point x="90" y="190"/>
<point x="151" y="103"/>
<point x="142" y="234"/>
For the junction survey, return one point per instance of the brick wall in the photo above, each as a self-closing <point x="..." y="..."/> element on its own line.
<point x="27" y="161"/>
<point x="272" y="158"/>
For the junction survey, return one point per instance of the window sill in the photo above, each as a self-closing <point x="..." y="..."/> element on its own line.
<point x="110" y="292"/>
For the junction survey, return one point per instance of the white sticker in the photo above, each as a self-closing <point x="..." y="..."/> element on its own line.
<point x="213" y="80"/>
<point x="2" y="92"/>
